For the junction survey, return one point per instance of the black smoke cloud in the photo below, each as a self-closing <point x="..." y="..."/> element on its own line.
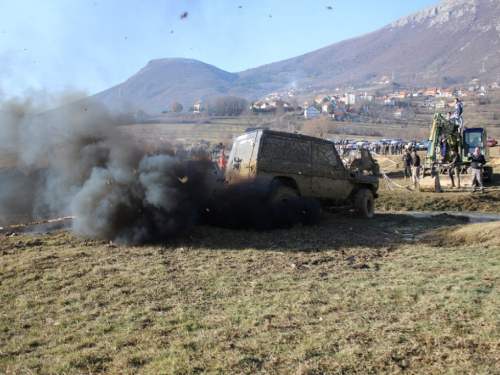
<point x="77" y="161"/>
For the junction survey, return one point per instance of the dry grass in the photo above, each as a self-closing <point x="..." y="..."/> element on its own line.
<point x="310" y="300"/>
<point x="392" y="295"/>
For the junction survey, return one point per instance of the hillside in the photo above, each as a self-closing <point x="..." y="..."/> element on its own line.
<point x="164" y="81"/>
<point x="446" y="44"/>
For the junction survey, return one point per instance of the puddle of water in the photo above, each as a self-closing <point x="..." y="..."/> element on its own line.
<point x="474" y="217"/>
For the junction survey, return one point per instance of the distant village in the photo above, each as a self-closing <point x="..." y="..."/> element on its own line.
<point x="337" y="105"/>
<point x="350" y="105"/>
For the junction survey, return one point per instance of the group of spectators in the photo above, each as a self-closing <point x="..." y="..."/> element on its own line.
<point x="391" y="148"/>
<point x="217" y="150"/>
<point x="411" y="165"/>
<point x="383" y="148"/>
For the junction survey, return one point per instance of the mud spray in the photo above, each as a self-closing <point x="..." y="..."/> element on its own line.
<point x="75" y="161"/>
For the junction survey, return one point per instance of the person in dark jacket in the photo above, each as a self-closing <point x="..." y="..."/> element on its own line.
<point x="477" y="161"/>
<point x="415" y="167"/>
<point x="407" y="161"/>
<point x="443" y="149"/>
<point x="454" y="168"/>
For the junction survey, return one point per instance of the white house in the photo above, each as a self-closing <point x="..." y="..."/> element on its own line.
<point x="399" y="112"/>
<point x="390" y="101"/>
<point x="311" y="112"/>
<point x="350" y="98"/>
<point x="446" y="93"/>
<point x="277" y="103"/>
<point x="200" y="105"/>
<point x="440" y="104"/>
<point x="321" y="98"/>
<point x="324" y="107"/>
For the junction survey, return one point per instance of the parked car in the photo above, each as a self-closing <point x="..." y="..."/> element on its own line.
<point x="363" y="143"/>
<point x="397" y="140"/>
<point x="491" y="142"/>
<point x="424" y="145"/>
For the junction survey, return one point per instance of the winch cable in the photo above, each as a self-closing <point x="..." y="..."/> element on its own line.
<point x="387" y="180"/>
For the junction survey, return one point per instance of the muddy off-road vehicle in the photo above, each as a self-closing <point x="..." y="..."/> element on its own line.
<point x="287" y="166"/>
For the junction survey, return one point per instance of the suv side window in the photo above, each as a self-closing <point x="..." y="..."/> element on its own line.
<point x="324" y="154"/>
<point x="283" y="149"/>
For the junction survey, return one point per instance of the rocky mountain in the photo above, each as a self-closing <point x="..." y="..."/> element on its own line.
<point x="447" y="44"/>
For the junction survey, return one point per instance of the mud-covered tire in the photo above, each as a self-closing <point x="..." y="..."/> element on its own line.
<point x="364" y="204"/>
<point x="286" y="208"/>
<point x="282" y="195"/>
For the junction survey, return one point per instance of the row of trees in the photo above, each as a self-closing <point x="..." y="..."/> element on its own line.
<point x="227" y="105"/>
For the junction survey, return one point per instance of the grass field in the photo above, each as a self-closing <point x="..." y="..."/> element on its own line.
<point x="310" y="300"/>
<point x="396" y="294"/>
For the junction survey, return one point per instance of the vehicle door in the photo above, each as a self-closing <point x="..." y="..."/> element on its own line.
<point x="329" y="174"/>
<point x="242" y="160"/>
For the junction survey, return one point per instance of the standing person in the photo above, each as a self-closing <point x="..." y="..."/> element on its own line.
<point x="454" y="168"/>
<point x="443" y="147"/>
<point x="459" y="108"/>
<point x="477" y="161"/>
<point x="407" y="161"/>
<point x="415" y="167"/>
<point x="457" y="115"/>
<point x="222" y="163"/>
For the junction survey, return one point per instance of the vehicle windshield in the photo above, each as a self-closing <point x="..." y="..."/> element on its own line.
<point x="473" y="139"/>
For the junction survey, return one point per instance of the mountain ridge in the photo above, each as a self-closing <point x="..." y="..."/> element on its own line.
<point x="449" y="43"/>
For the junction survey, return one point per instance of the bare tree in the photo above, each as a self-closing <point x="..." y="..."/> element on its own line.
<point x="229" y="105"/>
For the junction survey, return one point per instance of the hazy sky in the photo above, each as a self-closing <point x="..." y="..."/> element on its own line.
<point x="92" y="45"/>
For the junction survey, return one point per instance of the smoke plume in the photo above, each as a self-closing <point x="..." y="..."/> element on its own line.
<point x="76" y="160"/>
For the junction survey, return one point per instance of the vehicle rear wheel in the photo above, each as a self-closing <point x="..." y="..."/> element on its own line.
<point x="364" y="204"/>
<point x="286" y="208"/>
<point x="283" y="195"/>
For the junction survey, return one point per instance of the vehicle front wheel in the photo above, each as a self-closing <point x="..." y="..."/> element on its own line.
<point x="364" y="204"/>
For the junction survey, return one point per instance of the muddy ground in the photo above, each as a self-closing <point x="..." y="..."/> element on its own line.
<point x="392" y="199"/>
<point x="395" y="294"/>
